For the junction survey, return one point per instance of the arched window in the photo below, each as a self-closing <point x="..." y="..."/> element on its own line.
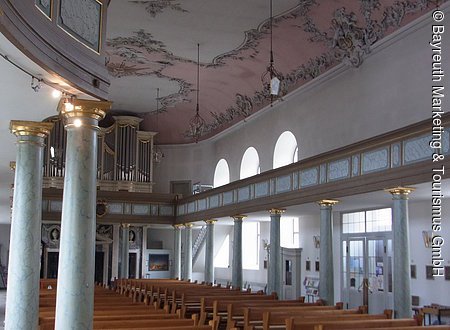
<point x="249" y="163"/>
<point x="286" y="150"/>
<point x="221" y="174"/>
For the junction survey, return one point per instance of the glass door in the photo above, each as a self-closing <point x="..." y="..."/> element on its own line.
<point x="368" y="260"/>
<point x="356" y="271"/>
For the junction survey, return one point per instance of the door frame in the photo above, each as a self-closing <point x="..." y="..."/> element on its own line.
<point x="387" y="266"/>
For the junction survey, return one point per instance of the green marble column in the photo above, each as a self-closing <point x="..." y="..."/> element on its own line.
<point x="236" y="266"/>
<point x="188" y="252"/>
<point x="401" y="271"/>
<point x="274" y="280"/>
<point x="209" y="252"/>
<point x="125" y="251"/>
<point x="326" y="277"/>
<point x="75" y="288"/>
<point x="177" y="250"/>
<point x="22" y="295"/>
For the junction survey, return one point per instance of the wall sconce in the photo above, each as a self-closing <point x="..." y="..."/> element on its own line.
<point x="316" y="240"/>
<point x="427" y="237"/>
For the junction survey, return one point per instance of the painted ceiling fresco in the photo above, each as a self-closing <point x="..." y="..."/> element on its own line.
<point x="153" y="44"/>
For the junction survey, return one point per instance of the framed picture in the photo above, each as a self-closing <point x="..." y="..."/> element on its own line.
<point x="308" y="265"/>
<point x="158" y="262"/>
<point x="317" y="266"/>
<point x="413" y="271"/>
<point x="429" y="272"/>
<point x="447" y="273"/>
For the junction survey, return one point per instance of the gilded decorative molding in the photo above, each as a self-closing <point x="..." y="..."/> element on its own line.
<point x="239" y="217"/>
<point x="178" y="226"/>
<point x="125" y="225"/>
<point x="400" y="191"/>
<point x="275" y="211"/>
<point x="327" y="202"/>
<point x="188" y="225"/>
<point x="210" y="222"/>
<point x="27" y="128"/>
<point x="79" y="108"/>
<point x="12" y="165"/>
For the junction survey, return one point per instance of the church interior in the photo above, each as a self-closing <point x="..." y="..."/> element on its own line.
<point x="295" y="150"/>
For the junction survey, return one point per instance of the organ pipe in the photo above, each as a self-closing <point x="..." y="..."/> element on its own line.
<point x="124" y="152"/>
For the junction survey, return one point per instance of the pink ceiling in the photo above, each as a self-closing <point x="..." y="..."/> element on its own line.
<point x="308" y="40"/>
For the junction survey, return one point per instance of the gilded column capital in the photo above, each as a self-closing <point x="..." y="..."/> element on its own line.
<point x="400" y="191"/>
<point x="12" y="165"/>
<point x="79" y="108"/>
<point x="30" y="128"/>
<point x="178" y="226"/>
<point x="189" y="225"/>
<point x="125" y="225"/>
<point x="239" y="217"/>
<point x="327" y="202"/>
<point x="276" y="211"/>
<point x="210" y="222"/>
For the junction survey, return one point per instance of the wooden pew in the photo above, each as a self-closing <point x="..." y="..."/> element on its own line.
<point x="210" y="305"/>
<point x="350" y="324"/>
<point x="254" y="315"/>
<point x="113" y="311"/>
<point x="221" y="308"/>
<point x="191" y="302"/>
<point x="416" y="327"/>
<point x="130" y="322"/>
<point x="198" y="327"/>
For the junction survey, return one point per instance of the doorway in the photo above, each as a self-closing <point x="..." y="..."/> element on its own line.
<point x="99" y="264"/>
<point x="291" y="259"/>
<point x="134" y="263"/>
<point x="367" y="259"/>
<point x="52" y="264"/>
<point x="132" y="260"/>
<point x="370" y="259"/>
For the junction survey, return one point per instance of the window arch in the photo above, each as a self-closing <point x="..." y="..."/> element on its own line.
<point x="286" y="150"/>
<point x="250" y="163"/>
<point x="221" y="174"/>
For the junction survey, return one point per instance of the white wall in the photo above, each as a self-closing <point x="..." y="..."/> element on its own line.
<point x="388" y="91"/>
<point x="257" y="279"/>
<point x="162" y="234"/>
<point x="185" y="162"/>
<point x="429" y="291"/>
<point x="4" y="242"/>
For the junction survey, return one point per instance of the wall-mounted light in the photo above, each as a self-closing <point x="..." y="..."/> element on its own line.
<point x="36" y="84"/>
<point x="56" y="93"/>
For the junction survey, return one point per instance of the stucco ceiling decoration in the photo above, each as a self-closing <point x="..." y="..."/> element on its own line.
<point x="152" y="44"/>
